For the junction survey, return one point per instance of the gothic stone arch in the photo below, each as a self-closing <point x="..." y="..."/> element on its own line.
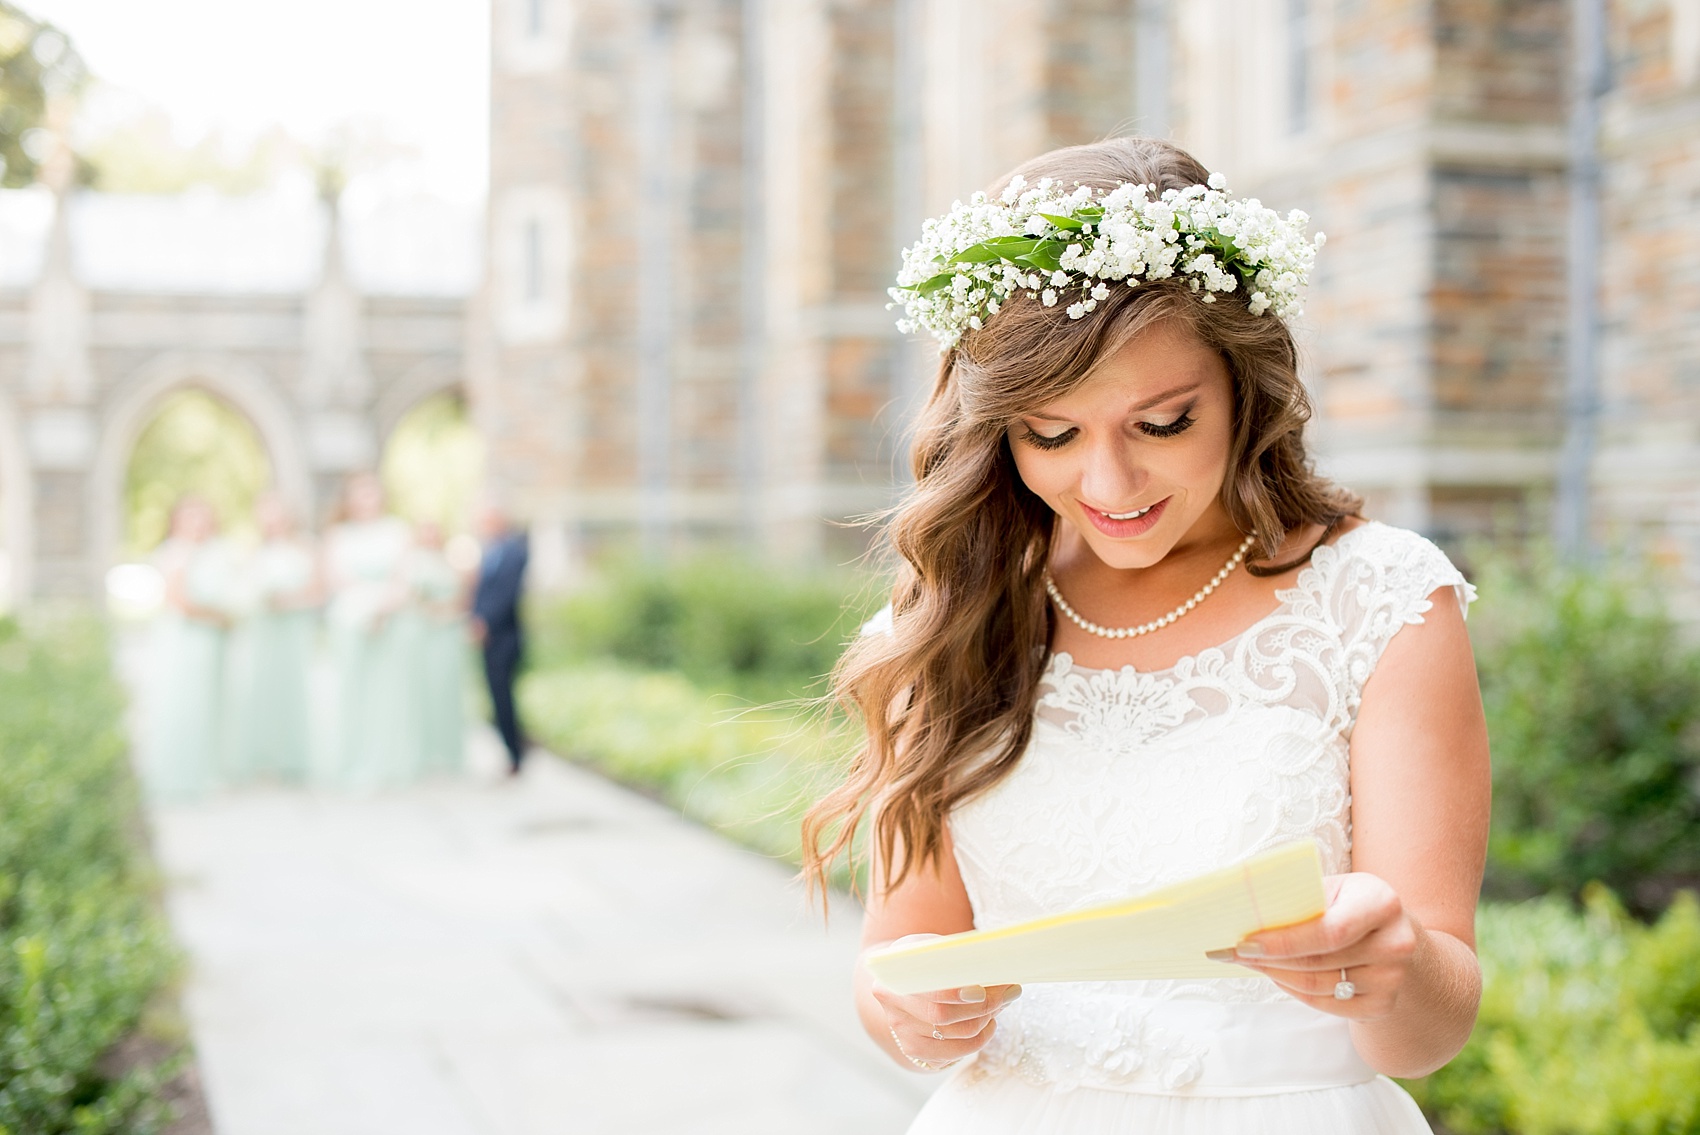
<point x="135" y="400"/>
<point x="431" y="376"/>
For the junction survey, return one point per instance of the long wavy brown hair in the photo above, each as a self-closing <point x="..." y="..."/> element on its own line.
<point x="946" y="699"/>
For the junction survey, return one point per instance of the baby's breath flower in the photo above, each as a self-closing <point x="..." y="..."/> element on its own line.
<point x="970" y="261"/>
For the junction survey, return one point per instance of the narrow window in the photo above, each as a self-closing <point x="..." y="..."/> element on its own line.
<point x="534" y="18"/>
<point x="533" y="260"/>
<point x="1298" y="66"/>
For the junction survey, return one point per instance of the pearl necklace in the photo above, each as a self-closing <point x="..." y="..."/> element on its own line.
<point x="1155" y="624"/>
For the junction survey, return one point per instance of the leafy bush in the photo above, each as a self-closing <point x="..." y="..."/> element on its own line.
<point x="720" y="622"/>
<point x="81" y="948"/>
<point x="748" y="773"/>
<point x="1593" y="707"/>
<point x="1590" y="1024"/>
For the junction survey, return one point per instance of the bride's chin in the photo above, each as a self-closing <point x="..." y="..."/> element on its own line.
<point x="1126" y="555"/>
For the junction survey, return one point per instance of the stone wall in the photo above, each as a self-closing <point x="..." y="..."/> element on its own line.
<point x="1648" y="463"/>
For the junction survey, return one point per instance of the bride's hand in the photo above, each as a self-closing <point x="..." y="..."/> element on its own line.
<point x="1365" y="931"/>
<point x="935" y="1030"/>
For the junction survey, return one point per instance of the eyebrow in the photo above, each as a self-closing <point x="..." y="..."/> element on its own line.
<point x="1155" y="400"/>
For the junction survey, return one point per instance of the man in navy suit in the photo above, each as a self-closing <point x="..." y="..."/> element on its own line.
<point x="495" y="620"/>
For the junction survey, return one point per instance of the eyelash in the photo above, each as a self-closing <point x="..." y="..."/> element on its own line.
<point x="1150" y="429"/>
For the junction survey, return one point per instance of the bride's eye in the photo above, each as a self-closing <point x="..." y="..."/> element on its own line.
<point x="1040" y="441"/>
<point x="1168" y="429"/>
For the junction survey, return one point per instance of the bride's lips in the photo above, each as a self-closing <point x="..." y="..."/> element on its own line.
<point x="1121" y="529"/>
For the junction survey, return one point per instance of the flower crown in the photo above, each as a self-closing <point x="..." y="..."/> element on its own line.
<point x="1048" y="241"/>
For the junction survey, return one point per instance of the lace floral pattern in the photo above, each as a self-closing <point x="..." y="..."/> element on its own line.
<point x="1136" y="779"/>
<point x="1088" y="1034"/>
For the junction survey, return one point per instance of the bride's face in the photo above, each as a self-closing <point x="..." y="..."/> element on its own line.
<point x="1134" y="458"/>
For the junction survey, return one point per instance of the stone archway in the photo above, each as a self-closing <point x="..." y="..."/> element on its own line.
<point x="426" y="379"/>
<point x="17" y="497"/>
<point x="246" y="387"/>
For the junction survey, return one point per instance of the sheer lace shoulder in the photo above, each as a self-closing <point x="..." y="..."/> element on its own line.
<point x="1370" y="583"/>
<point x="1398" y="566"/>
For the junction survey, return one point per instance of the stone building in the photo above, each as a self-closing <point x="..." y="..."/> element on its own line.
<point x="681" y="334"/>
<point x="696" y="205"/>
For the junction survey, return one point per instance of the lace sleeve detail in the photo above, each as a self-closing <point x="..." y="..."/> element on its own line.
<point x="1379" y="580"/>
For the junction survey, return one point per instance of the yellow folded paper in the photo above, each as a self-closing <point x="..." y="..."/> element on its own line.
<point x="1163" y="933"/>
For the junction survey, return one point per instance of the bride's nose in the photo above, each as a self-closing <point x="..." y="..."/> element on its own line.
<point x="1112" y="476"/>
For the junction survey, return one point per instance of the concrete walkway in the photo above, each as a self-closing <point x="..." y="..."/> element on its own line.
<point x="485" y="957"/>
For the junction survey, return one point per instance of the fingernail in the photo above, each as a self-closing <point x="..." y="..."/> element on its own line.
<point x="973" y="994"/>
<point x="1220" y="955"/>
<point x="1014" y="992"/>
<point x="1250" y="950"/>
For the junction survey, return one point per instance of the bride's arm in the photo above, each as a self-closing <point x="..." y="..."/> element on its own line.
<point x="930" y="900"/>
<point x="1404" y="921"/>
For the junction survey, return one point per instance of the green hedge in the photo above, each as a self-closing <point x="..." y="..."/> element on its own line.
<point x="724" y="623"/>
<point x="1593" y="707"/>
<point x="82" y="949"/>
<point x="1589" y="1025"/>
<point x="698" y="683"/>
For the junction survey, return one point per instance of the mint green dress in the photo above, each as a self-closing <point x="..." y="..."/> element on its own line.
<point x="371" y="741"/>
<point x="271" y="655"/>
<point x="182" y="754"/>
<point x="436" y="620"/>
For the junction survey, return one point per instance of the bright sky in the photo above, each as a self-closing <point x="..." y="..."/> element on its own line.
<point x="416" y="72"/>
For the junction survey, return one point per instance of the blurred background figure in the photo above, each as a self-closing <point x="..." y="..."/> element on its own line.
<point x="371" y="742"/>
<point x="496" y="622"/>
<point x="437" y="594"/>
<point x="186" y="702"/>
<point x="272" y="651"/>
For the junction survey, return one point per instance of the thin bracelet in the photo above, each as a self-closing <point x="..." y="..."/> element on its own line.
<point x="921" y="1064"/>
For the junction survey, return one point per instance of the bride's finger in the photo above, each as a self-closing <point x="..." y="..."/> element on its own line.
<point x="922" y="1045"/>
<point x="948" y="1008"/>
<point x="1377" y="950"/>
<point x="1370" y="994"/>
<point x="1362" y="905"/>
<point x="958" y="1030"/>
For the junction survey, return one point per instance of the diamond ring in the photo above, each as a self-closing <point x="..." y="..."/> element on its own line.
<point x="1343" y="989"/>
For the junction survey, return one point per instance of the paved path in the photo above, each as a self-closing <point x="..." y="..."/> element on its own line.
<point x="483" y="957"/>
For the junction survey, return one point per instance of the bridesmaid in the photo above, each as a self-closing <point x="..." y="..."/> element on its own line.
<point x="436" y="619"/>
<point x="372" y="743"/>
<point x="272" y="651"/>
<point x="185" y="710"/>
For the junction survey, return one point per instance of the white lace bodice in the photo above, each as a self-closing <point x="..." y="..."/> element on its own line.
<point x="1136" y="779"/>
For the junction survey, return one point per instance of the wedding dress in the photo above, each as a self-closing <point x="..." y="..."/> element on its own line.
<point x="1136" y="779"/>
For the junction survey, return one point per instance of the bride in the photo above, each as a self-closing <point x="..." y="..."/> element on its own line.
<point x="1134" y="637"/>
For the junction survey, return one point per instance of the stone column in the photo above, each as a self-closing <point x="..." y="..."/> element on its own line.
<point x="1646" y="473"/>
<point x="60" y="426"/>
<point x="832" y="252"/>
<point x="336" y="383"/>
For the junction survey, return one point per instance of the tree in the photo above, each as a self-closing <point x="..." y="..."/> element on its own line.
<point x="39" y="70"/>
